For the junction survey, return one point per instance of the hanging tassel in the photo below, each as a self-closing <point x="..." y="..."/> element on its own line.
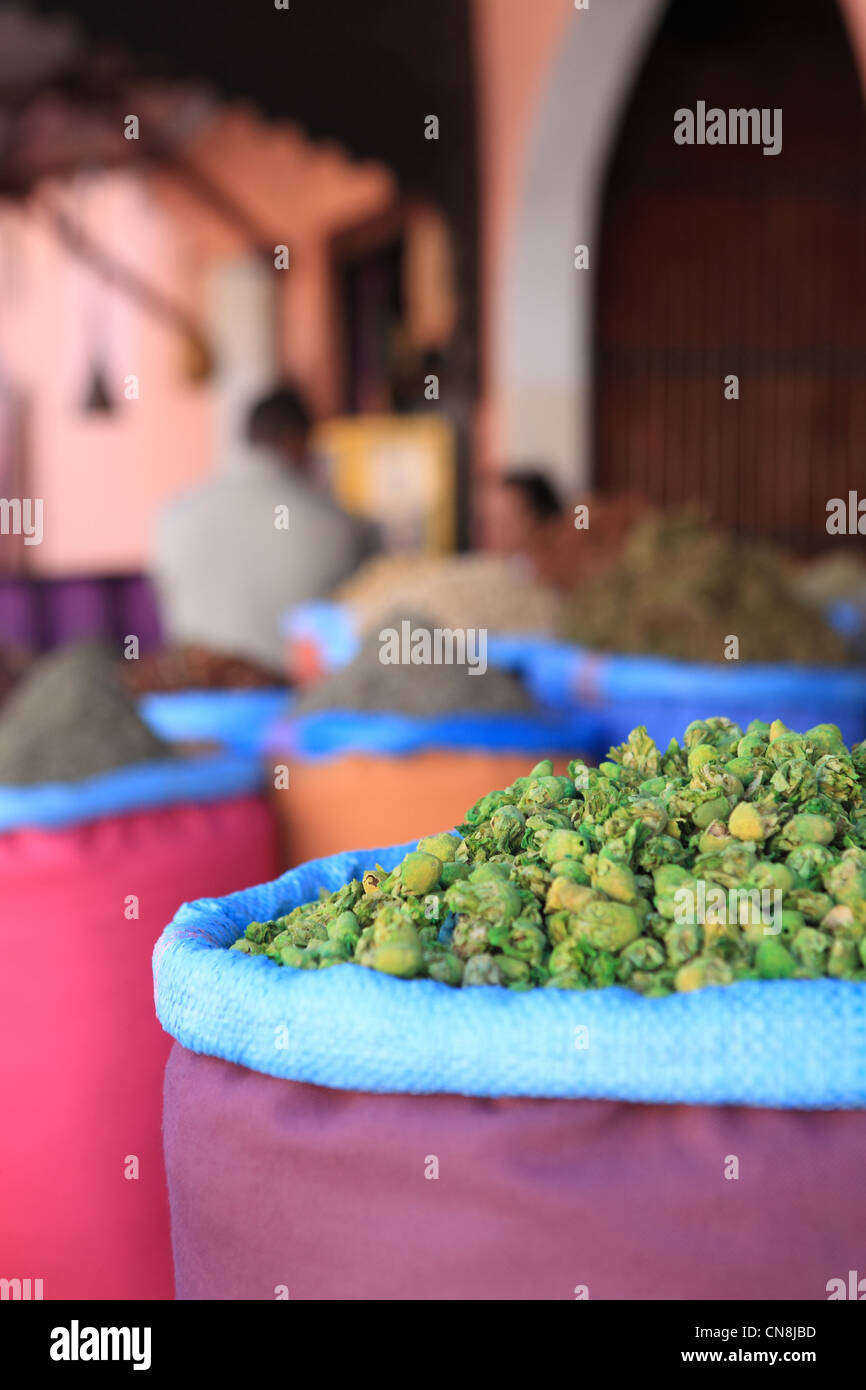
<point x="98" y="398"/>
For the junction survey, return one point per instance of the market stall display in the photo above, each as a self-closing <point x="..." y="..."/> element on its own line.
<point x="94" y="862"/>
<point x="457" y="591"/>
<point x="376" y="748"/>
<point x="527" y="1142"/>
<point x="682" y="588"/>
<point x="734" y="857"/>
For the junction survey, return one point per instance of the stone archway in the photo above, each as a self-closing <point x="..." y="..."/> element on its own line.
<point x="545" y="346"/>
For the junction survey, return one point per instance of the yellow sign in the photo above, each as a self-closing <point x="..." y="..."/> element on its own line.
<point x="397" y="471"/>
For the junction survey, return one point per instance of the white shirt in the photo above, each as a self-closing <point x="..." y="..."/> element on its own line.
<point x="225" y="569"/>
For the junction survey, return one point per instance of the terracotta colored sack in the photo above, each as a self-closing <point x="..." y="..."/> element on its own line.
<point x="357" y="799"/>
<point x="280" y="1188"/>
<point x="83" y="1054"/>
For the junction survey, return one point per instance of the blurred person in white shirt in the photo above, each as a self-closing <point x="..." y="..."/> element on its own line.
<point x="233" y="555"/>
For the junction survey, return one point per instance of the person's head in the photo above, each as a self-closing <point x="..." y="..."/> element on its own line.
<point x="282" y="421"/>
<point x="517" y="508"/>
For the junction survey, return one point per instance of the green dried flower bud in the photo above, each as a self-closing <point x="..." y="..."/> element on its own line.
<point x="419" y="872"/>
<point x="443" y="965"/>
<point x="708" y="811"/>
<point x="521" y="939"/>
<point x="791" y="922"/>
<point x="513" y="969"/>
<point x="653" y="985"/>
<point x="837" y="777"/>
<point x="752" y="746"/>
<point x="453" y="871"/>
<point x="298" y="958"/>
<point x="746" y="822"/>
<point x="393" y="950"/>
<point x="506" y="827"/>
<point x="249" y="948"/>
<point x="608" y="925"/>
<point x="542" y="769"/>
<point x="345" y="928"/>
<point x="470" y="938"/>
<point x="744" y="769"/>
<point x="563" y="844"/>
<point x="846" y="881"/>
<point x="567" y="979"/>
<point x="483" y="970"/>
<point x="699" y="973"/>
<point x="330" y="953"/>
<point x="565" y="894"/>
<point x="615" y="880"/>
<point x="570" y="868"/>
<point x="773" y="960"/>
<point x="814" y="906"/>
<point x="840" y="919"/>
<point x="806" y="829"/>
<point x="683" y="941"/>
<point x="844" y="959"/>
<point x="444" y="847"/>
<point x="700" y="755"/>
<point x="543" y="792"/>
<point x="491" y="873"/>
<point x="714" y="838"/>
<point x="642" y="955"/>
<point x="811" y="947"/>
<point x="772" y="876"/>
<point x="810" y="864"/>
<point x="668" y="878"/>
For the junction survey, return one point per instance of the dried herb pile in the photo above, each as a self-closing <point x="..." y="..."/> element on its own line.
<point x="368" y="683"/>
<point x="598" y="878"/>
<point x="680" y="588"/>
<point x="70" y="718"/>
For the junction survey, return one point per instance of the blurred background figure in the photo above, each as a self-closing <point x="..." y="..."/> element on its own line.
<point x="233" y="555"/>
<point x="520" y="515"/>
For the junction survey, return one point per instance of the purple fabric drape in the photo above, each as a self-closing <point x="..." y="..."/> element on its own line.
<point x="323" y="1192"/>
<point x="39" y="614"/>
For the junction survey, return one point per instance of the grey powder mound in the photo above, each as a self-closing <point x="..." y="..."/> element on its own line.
<point x="70" y="719"/>
<point x="368" y="683"/>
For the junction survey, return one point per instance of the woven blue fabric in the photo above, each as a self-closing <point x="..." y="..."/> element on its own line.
<point x="667" y="695"/>
<point x="238" y="719"/>
<point x="139" y="787"/>
<point x="779" y="1043"/>
<point x="328" y="733"/>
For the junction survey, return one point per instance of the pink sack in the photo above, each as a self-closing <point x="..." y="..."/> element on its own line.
<point x="279" y="1188"/>
<point x="82" y="1052"/>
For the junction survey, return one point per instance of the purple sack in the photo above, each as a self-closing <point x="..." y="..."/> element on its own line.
<point x="280" y="1188"/>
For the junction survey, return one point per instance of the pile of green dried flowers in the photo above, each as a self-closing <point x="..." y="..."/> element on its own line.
<point x="655" y="871"/>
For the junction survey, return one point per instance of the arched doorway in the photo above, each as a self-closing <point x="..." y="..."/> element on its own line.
<point x="719" y="261"/>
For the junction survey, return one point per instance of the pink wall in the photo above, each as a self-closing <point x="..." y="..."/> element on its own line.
<point x="104" y="478"/>
<point x="100" y="476"/>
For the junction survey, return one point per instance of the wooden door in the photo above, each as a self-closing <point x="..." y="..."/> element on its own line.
<point x="719" y="261"/>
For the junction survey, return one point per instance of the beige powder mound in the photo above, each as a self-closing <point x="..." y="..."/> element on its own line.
<point x="475" y="590"/>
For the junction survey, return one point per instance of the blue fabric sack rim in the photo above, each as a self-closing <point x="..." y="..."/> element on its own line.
<point x="330" y="733"/>
<point x="240" y="719"/>
<point x="135" y="787"/>
<point x="779" y="1044"/>
<point x="615" y="674"/>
